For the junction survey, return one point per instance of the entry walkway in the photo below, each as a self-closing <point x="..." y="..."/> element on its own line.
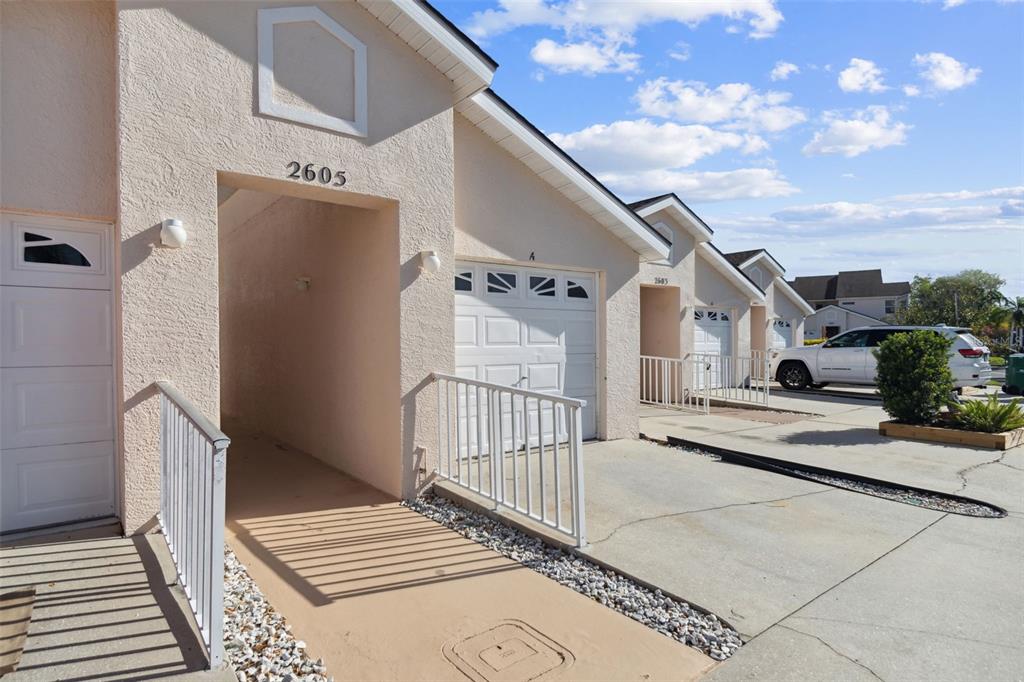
<point x="382" y="593"/>
<point x="97" y="606"/>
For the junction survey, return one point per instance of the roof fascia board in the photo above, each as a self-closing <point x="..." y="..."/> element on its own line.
<point x="682" y="214"/>
<point x="646" y="242"/>
<point x="727" y="269"/>
<point x="791" y="294"/>
<point x="444" y="34"/>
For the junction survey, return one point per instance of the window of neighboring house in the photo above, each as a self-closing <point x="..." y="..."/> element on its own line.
<point x="666" y="232"/>
<point x="890" y="306"/>
<point x="849" y="303"/>
<point x="819" y="306"/>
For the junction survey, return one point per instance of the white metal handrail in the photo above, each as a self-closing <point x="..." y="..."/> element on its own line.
<point x="521" y="449"/>
<point x="674" y="383"/>
<point x="741" y="379"/>
<point x="193" y="461"/>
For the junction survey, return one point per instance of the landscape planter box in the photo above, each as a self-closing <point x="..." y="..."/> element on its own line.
<point x="938" y="434"/>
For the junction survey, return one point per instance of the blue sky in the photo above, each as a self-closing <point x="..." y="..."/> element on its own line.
<point x="839" y="135"/>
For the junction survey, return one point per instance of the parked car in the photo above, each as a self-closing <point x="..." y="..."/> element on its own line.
<point x="848" y="358"/>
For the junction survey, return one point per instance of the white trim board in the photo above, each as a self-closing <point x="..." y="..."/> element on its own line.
<point x="683" y="215"/>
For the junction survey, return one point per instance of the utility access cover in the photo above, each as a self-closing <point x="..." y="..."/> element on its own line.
<point x="512" y="651"/>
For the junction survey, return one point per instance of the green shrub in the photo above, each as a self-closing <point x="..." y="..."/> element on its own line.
<point x="814" y="342"/>
<point x="988" y="416"/>
<point x="997" y="361"/>
<point x="913" y="375"/>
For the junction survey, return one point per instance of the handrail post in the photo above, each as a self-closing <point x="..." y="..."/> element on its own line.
<point x="216" y="621"/>
<point x="577" y="446"/>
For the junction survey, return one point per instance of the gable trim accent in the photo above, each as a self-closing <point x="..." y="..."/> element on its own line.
<point x="503" y="124"/>
<point x="791" y="294"/>
<point x="773" y="265"/>
<point x="682" y="214"/>
<point x="729" y="271"/>
<point x="266" y="20"/>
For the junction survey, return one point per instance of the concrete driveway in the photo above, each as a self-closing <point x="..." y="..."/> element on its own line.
<point x="823" y="583"/>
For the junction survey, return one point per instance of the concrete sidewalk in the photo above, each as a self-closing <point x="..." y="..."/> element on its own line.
<point x="382" y="593"/>
<point x="105" y="608"/>
<point x="825" y="583"/>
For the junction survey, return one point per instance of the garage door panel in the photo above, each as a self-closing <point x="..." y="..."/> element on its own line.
<point x="46" y="327"/>
<point x="539" y="334"/>
<point x="56" y="405"/>
<point x="465" y="330"/>
<point x="45" y="251"/>
<point x="51" y="484"/>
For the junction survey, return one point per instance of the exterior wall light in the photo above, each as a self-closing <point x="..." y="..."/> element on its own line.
<point x="429" y="261"/>
<point x="173" y="234"/>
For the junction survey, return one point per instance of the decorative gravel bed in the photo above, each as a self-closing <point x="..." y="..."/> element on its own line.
<point x="669" y="616"/>
<point x="917" y="498"/>
<point x="257" y="641"/>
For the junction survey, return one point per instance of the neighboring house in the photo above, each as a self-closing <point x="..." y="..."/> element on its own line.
<point x="779" y="321"/>
<point x="360" y="211"/>
<point x="859" y="291"/>
<point x="830" y="320"/>
<point x="694" y="301"/>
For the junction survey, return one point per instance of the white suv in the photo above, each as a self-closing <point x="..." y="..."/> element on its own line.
<point x="848" y="358"/>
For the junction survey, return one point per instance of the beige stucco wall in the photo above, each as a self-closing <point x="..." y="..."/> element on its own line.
<point x="759" y="327"/>
<point x="714" y="290"/>
<point x="186" y="104"/>
<point x="57" y="108"/>
<point x="659" y="321"/>
<point x="679" y="273"/>
<point x="504" y="211"/>
<point x="316" y="368"/>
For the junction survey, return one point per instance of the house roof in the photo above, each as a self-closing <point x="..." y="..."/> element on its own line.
<point x="742" y="259"/>
<point x="847" y="310"/>
<point x="678" y="210"/>
<point x="848" y="284"/>
<point x="520" y="138"/>
<point x="437" y="40"/>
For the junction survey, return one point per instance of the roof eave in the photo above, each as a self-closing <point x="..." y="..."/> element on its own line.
<point x="682" y="214"/>
<point x="796" y="298"/>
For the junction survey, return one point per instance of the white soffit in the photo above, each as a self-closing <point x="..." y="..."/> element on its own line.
<point x="791" y="294"/>
<point x="682" y="214"/>
<point x="422" y="29"/>
<point x="726" y="269"/>
<point x="488" y="113"/>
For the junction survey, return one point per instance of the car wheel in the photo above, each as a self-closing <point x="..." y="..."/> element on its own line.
<point x="794" y="376"/>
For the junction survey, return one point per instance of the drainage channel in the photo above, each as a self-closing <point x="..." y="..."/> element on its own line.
<point x="896" y="492"/>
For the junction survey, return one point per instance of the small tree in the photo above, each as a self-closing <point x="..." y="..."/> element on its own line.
<point x="913" y="375"/>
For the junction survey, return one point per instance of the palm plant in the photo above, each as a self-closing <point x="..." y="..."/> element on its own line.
<point x="988" y="416"/>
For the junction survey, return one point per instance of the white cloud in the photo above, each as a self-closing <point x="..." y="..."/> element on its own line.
<point x="862" y="75"/>
<point x="911" y="90"/>
<point x="645" y="145"/>
<point x="736" y="105"/>
<point x="868" y="214"/>
<point x="1012" y="209"/>
<point x="944" y="73"/>
<point x="848" y="176"/>
<point x="680" y="52"/>
<point x="742" y="183"/>
<point x="950" y="4"/>
<point x="588" y="58"/>
<point x="870" y="128"/>
<point x="962" y="195"/>
<point x="605" y="24"/>
<point x="783" y="70"/>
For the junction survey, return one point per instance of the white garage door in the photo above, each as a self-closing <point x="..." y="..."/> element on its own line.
<point x="56" y="372"/>
<point x="531" y="328"/>
<point x="782" y="334"/>
<point x="712" y="335"/>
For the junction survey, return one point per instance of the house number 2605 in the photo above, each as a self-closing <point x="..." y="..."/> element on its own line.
<point x="310" y="173"/>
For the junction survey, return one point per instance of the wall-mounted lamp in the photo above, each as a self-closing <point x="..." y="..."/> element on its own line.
<point x="173" y="234"/>
<point x="429" y="261"/>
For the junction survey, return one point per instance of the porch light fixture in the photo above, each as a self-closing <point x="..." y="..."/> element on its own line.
<point x="173" y="234"/>
<point x="429" y="261"/>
